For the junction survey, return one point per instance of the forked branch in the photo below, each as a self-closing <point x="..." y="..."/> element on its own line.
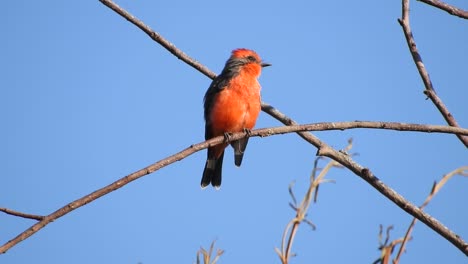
<point x="324" y="150"/>
<point x="429" y="91"/>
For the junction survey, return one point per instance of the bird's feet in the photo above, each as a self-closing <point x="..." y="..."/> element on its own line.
<point x="227" y="137"/>
<point x="248" y="131"/>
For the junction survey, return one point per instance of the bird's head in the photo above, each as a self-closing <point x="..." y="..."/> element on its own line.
<point x="246" y="60"/>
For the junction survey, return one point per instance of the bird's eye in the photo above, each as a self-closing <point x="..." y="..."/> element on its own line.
<point x="251" y="58"/>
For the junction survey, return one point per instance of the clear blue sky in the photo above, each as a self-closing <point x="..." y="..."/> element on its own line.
<point x="87" y="98"/>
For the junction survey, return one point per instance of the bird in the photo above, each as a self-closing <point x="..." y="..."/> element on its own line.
<point x="231" y="104"/>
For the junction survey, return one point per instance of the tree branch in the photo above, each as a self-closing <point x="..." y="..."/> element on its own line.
<point x="324" y="150"/>
<point x="325" y="126"/>
<point x="447" y="8"/>
<point x="20" y="214"/>
<point x="301" y="209"/>
<point x="367" y="175"/>
<point x="159" y="39"/>
<point x="435" y="189"/>
<point x="430" y="92"/>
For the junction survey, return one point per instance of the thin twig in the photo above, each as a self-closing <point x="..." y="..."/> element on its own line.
<point x="369" y="177"/>
<point x="447" y="8"/>
<point x="287" y="254"/>
<point x="208" y="257"/>
<point x="301" y="210"/>
<point x="386" y="249"/>
<point x="20" y="214"/>
<point x="435" y="189"/>
<point x="429" y="91"/>
<point x="159" y="39"/>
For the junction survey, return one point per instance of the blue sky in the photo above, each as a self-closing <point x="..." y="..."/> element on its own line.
<point x="87" y="98"/>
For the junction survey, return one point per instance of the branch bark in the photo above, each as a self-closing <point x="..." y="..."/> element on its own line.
<point x="435" y="189"/>
<point x="159" y="39"/>
<point x="447" y="8"/>
<point x="20" y="214"/>
<point x="324" y="150"/>
<point x="429" y="92"/>
<point x="369" y="177"/>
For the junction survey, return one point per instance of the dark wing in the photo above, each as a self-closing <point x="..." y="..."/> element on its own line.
<point x="218" y="84"/>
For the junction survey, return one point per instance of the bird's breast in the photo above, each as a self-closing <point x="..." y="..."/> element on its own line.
<point x="236" y="107"/>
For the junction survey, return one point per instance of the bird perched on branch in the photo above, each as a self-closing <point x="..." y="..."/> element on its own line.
<point x="232" y="104"/>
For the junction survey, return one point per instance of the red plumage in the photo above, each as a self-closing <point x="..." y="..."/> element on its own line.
<point x="232" y="104"/>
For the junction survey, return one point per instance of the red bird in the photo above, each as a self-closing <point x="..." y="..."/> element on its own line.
<point x="232" y="104"/>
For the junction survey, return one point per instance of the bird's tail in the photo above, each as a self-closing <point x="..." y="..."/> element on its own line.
<point x="239" y="148"/>
<point x="212" y="172"/>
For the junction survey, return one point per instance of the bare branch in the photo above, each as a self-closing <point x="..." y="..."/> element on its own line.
<point x="435" y="189"/>
<point x="194" y="63"/>
<point x="447" y="8"/>
<point x="20" y="214"/>
<point x="159" y="39"/>
<point x="430" y="92"/>
<point x="324" y="126"/>
<point x="324" y="150"/>
<point x="208" y="257"/>
<point x="109" y="188"/>
<point x="301" y="210"/>
<point x="367" y="175"/>
<point x="387" y="250"/>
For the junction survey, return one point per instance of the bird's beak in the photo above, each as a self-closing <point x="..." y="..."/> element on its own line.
<point x="264" y="64"/>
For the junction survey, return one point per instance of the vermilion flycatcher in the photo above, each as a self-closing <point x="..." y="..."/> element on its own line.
<point x="232" y="104"/>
